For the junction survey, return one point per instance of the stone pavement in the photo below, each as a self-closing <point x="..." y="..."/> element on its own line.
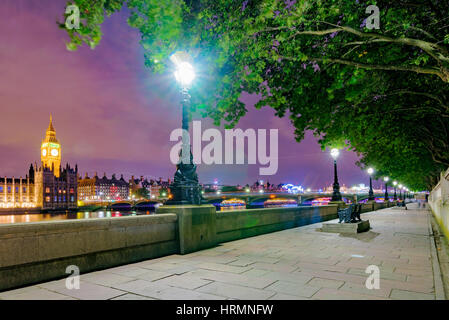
<point x="300" y="263"/>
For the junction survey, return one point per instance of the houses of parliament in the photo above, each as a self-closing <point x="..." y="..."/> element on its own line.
<point x="47" y="186"/>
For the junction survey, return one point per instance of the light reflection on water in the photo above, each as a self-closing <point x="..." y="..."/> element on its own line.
<point x="36" y="217"/>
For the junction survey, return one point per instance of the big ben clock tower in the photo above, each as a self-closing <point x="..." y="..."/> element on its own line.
<point x="51" y="150"/>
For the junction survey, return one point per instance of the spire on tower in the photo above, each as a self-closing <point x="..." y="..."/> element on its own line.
<point x="50" y="126"/>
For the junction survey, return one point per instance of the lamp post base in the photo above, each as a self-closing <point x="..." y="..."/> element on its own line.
<point x="185" y="193"/>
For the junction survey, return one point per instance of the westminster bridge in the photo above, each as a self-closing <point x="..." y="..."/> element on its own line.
<point x="250" y="199"/>
<point x="253" y="198"/>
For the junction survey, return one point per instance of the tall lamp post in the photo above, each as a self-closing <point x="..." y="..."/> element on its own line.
<point x="185" y="187"/>
<point x="370" y="193"/>
<point x="395" y="197"/>
<point x="386" y="187"/>
<point x="400" y="191"/>
<point x="336" y="195"/>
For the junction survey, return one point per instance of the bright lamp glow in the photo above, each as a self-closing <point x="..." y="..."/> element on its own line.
<point x="370" y="171"/>
<point x="386" y="179"/>
<point x="335" y="153"/>
<point x="395" y="183"/>
<point x="184" y="73"/>
<point x="400" y="186"/>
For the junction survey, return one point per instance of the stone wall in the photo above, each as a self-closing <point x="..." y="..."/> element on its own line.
<point x="238" y="224"/>
<point x="439" y="202"/>
<point x="40" y="251"/>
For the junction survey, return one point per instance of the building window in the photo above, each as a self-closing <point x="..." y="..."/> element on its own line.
<point x="1" y="189"/>
<point x="47" y="199"/>
<point x="9" y="189"/>
<point x="47" y="190"/>
<point x="17" y="189"/>
<point x="24" y="189"/>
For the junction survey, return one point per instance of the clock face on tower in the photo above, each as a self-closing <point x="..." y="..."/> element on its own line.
<point x="54" y="152"/>
<point x="44" y="152"/>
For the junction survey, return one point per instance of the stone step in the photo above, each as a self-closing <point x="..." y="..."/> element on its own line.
<point x="357" y="227"/>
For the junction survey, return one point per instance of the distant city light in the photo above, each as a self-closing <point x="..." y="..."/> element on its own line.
<point x="290" y="188"/>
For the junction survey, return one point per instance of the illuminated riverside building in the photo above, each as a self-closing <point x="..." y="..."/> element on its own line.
<point x="48" y="186"/>
<point x="102" y="189"/>
<point x="154" y="187"/>
<point x="51" y="150"/>
<point x="17" y="192"/>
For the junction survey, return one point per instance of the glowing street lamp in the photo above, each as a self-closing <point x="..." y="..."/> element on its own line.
<point x="370" y="193"/>
<point x="185" y="187"/>
<point x="336" y="195"/>
<point x="400" y="191"/>
<point x="394" y="186"/>
<point x="386" y="187"/>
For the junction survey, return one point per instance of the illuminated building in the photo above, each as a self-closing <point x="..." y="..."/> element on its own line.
<point x="102" y="189"/>
<point x="154" y="187"/>
<point x="46" y="186"/>
<point x="51" y="150"/>
<point x="17" y="192"/>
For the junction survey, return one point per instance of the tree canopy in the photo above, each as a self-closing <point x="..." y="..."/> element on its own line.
<point x="381" y="92"/>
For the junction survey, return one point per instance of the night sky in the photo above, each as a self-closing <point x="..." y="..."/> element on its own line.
<point x="110" y="113"/>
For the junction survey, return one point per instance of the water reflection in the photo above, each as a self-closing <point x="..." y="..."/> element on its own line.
<point x="36" y="217"/>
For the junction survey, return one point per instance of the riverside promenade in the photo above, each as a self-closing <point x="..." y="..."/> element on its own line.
<point x="300" y="263"/>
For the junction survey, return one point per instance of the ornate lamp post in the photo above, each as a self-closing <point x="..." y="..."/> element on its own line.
<point x="370" y="193"/>
<point x="185" y="187"/>
<point x="336" y="196"/>
<point x="394" y="185"/>
<point x="386" y="187"/>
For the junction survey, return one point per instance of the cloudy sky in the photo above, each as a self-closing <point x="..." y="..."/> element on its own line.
<point x="110" y="113"/>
